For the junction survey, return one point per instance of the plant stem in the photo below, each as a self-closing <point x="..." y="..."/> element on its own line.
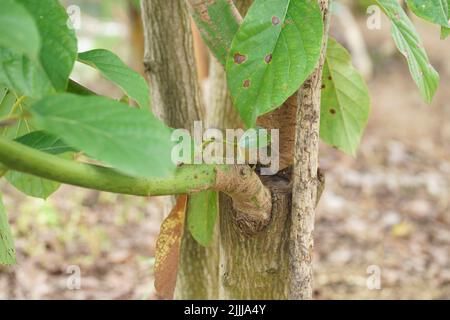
<point x="239" y="182"/>
<point x="187" y="179"/>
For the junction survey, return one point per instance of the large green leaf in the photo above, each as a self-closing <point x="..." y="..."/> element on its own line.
<point x="217" y="23"/>
<point x="409" y="44"/>
<point x="19" y="31"/>
<point x="113" y="69"/>
<point x="32" y="185"/>
<point x="202" y="214"/>
<point x="276" y="48"/>
<point x="131" y="140"/>
<point x="7" y="251"/>
<point x="345" y="103"/>
<point x="59" y="43"/>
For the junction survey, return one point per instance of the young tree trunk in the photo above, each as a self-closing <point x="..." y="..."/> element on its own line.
<point x="263" y="266"/>
<point x="305" y="177"/>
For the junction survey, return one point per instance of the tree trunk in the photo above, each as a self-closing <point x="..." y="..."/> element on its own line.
<point x="170" y="66"/>
<point x="305" y="177"/>
<point x="255" y="266"/>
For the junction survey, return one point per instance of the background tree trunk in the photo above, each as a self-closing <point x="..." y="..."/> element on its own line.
<point x="170" y="66"/>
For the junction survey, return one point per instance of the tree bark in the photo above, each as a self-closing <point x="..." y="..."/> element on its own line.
<point x="258" y="266"/>
<point x="305" y="177"/>
<point x="170" y="65"/>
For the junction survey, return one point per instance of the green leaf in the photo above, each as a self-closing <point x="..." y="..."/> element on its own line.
<point x="20" y="73"/>
<point x="75" y="87"/>
<point x="11" y="107"/>
<point x="45" y="142"/>
<point x="435" y="11"/>
<point x="445" y="32"/>
<point x="113" y="69"/>
<point x="202" y="214"/>
<point x="32" y="185"/>
<point x="7" y="251"/>
<point x="131" y="140"/>
<point x="217" y="23"/>
<point x="345" y="102"/>
<point x="19" y="31"/>
<point x="409" y="44"/>
<point x="275" y="50"/>
<point x="59" y="43"/>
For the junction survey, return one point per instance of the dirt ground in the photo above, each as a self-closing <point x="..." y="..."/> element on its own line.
<point x="386" y="211"/>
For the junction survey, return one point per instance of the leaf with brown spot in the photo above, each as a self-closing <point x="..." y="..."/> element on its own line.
<point x="345" y="102"/>
<point x="218" y="22"/>
<point x="281" y="41"/>
<point x="168" y="249"/>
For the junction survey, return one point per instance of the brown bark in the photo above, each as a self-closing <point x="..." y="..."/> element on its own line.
<point x="283" y="119"/>
<point x="136" y="36"/>
<point x="251" y="266"/>
<point x="201" y="54"/>
<point x="305" y="178"/>
<point x="220" y="111"/>
<point x="170" y="62"/>
<point x="257" y="266"/>
<point x="170" y="66"/>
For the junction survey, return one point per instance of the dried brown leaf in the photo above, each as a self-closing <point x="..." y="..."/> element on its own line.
<point x="168" y="249"/>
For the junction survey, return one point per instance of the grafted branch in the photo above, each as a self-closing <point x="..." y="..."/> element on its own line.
<point x="239" y="182"/>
